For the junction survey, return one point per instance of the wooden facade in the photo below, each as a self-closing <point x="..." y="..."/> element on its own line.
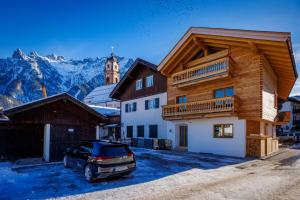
<point x="259" y="66"/>
<point x="70" y="121"/>
<point x="125" y="90"/>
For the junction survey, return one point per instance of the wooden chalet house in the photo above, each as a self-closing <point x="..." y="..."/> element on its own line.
<point x="223" y="87"/>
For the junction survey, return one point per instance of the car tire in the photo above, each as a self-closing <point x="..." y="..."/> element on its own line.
<point x="88" y="173"/>
<point x="66" y="161"/>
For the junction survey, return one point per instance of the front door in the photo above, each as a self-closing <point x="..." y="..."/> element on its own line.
<point x="183" y="136"/>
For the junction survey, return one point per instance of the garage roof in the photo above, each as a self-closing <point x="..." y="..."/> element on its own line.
<point x="51" y="99"/>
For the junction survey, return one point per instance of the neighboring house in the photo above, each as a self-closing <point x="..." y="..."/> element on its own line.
<point x="223" y="88"/>
<point x="46" y="127"/>
<point x="100" y="95"/>
<point x="112" y="130"/>
<point x="292" y="128"/>
<point x="142" y="92"/>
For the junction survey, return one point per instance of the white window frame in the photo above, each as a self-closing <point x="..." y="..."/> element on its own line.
<point x="139" y="84"/>
<point x="149" y="81"/>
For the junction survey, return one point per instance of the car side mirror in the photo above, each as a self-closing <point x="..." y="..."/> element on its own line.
<point x="68" y="150"/>
<point x="76" y="151"/>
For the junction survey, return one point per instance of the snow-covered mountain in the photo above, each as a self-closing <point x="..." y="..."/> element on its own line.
<point x="21" y="76"/>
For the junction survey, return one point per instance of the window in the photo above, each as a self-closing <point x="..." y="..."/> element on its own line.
<point x="223" y="131"/>
<point x="149" y="81"/>
<point x="140" y="131"/>
<point x="152" y="104"/>
<point x="224" y="92"/>
<point x="116" y="80"/>
<point x="152" y="131"/>
<point x="107" y="79"/>
<point x="181" y="99"/>
<point x="139" y="84"/>
<point x="129" y="131"/>
<point x="108" y="66"/>
<point x="130" y="107"/>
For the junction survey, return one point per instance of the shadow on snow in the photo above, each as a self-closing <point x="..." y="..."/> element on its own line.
<point x="56" y="181"/>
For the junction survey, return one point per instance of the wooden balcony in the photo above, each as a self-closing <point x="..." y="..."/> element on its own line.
<point x="226" y="106"/>
<point x="212" y="70"/>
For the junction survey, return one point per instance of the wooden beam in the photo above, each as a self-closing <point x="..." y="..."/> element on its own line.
<point x="179" y="59"/>
<point x="242" y="40"/>
<point x="208" y="58"/>
<point x="202" y="45"/>
<point x="253" y="47"/>
<point x="190" y="56"/>
<point x="174" y="53"/>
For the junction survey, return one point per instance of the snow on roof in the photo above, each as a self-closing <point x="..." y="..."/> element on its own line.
<point x="100" y="94"/>
<point x="108" y="111"/>
<point x="294" y="98"/>
<point x="3" y="118"/>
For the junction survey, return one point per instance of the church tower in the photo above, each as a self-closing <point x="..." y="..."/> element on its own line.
<point x="112" y="70"/>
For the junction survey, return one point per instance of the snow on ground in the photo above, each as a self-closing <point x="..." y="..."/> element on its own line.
<point x="273" y="178"/>
<point x="153" y="167"/>
<point x="164" y="175"/>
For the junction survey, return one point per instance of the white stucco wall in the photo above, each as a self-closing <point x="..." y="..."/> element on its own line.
<point x="200" y="136"/>
<point x="144" y="117"/>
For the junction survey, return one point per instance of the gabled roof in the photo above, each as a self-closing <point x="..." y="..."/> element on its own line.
<point x="276" y="46"/>
<point x="48" y="100"/>
<point x="126" y="77"/>
<point x="100" y="94"/>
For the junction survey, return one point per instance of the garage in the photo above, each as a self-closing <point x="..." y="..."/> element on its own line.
<point x="46" y="127"/>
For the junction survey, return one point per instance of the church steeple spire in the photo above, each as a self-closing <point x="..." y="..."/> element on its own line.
<point x="111" y="70"/>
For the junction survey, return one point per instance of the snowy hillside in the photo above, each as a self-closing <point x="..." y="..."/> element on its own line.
<point x="21" y="76"/>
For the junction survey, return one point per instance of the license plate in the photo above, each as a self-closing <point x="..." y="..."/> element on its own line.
<point x="122" y="168"/>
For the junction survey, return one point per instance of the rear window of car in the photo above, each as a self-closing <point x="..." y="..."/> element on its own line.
<point x="113" y="150"/>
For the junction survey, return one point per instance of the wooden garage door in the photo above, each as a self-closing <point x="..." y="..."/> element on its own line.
<point x="63" y="137"/>
<point x="21" y="141"/>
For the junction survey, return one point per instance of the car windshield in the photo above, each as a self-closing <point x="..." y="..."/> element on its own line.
<point x="110" y="150"/>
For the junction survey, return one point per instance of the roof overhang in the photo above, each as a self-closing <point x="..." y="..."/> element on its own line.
<point x="276" y="46"/>
<point x="51" y="99"/>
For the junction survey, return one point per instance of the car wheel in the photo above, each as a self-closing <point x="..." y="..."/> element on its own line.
<point x="66" y="161"/>
<point x="88" y="173"/>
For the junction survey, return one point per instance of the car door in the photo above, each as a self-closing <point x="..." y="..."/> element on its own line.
<point x="72" y="156"/>
<point x="83" y="155"/>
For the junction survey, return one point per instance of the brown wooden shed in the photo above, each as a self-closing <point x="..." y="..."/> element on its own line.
<point x="46" y="127"/>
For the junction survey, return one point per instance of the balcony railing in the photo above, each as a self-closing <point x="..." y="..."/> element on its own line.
<point x="213" y="106"/>
<point x="203" y="72"/>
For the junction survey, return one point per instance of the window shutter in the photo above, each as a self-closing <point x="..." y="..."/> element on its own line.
<point x="134" y="106"/>
<point x="146" y="105"/>
<point x="157" y="103"/>
<point x="126" y="107"/>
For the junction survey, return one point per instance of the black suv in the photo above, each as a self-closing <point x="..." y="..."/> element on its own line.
<point x="100" y="159"/>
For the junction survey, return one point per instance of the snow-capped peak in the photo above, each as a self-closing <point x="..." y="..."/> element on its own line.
<point x="54" y="57"/>
<point x="33" y="54"/>
<point x="18" y="54"/>
<point x="21" y="75"/>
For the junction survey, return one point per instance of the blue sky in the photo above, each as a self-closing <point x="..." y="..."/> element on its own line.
<point x="146" y="29"/>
